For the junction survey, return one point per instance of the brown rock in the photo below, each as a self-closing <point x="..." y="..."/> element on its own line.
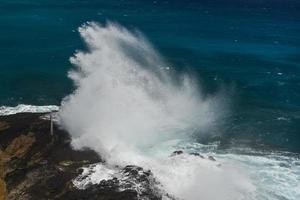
<point x="20" y="146"/>
<point x="3" y="126"/>
<point x="35" y="164"/>
<point x="2" y="189"/>
<point x="178" y="152"/>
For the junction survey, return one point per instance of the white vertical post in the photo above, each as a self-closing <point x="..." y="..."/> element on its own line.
<point x="51" y="124"/>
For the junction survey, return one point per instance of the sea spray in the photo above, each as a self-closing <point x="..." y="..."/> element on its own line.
<point x="133" y="110"/>
<point x="125" y="97"/>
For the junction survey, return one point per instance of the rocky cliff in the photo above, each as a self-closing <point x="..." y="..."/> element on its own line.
<point x="35" y="164"/>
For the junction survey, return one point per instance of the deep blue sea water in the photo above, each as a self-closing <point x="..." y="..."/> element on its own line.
<point x="249" y="47"/>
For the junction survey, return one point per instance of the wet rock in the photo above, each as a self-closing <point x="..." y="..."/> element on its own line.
<point x="177" y="153"/>
<point x="128" y="180"/>
<point x="100" y="192"/>
<point x="197" y="154"/>
<point x="211" y="158"/>
<point x="66" y="163"/>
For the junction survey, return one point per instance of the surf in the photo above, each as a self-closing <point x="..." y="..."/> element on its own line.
<point x="133" y="108"/>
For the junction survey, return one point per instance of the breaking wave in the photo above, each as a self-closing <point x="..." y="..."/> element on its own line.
<point x="126" y="100"/>
<point x="10" y="110"/>
<point x="134" y="109"/>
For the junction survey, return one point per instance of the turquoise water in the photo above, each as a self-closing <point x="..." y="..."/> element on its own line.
<point x="250" y="48"/>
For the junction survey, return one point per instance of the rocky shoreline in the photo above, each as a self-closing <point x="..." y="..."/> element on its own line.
<point x="34" y="164"/>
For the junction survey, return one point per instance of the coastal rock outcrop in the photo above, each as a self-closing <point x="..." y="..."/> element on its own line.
<point x="34" y="164"/>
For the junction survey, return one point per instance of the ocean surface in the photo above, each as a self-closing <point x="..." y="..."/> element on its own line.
<point x="243" y="53"/>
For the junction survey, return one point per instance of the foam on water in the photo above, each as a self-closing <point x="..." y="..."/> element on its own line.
<point x="132" y="109"/>
<point x="275" y="174"/>
<point x="182" y="177"/>
<point x="7" y="110"/>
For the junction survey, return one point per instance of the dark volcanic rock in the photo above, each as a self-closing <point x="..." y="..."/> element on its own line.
<point x="197" y="154"/>
<point x="177" y="153"/>
<point x="133" y="183"/>
<point x="130" y="179"/>
<point x="37" y="165"/>
<point x="211" y="158"/>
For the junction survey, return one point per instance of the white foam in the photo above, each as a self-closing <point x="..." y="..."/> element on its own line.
<point x="94" y="174"/>
<point x="22" y="108"/>
<point x="182" y="177"/>
<point x="274" y="176"/>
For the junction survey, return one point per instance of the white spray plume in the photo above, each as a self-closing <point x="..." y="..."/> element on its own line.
<point x="125" y="97"/>
<point x="127" y="103"/>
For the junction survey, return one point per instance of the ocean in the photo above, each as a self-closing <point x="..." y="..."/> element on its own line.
<point x="215" y="77"/>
